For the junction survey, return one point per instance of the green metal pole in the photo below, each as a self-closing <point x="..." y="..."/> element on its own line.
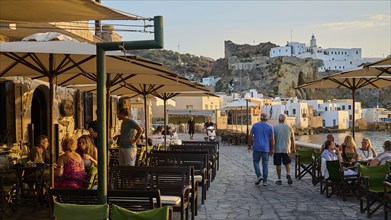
<point x="102" y="125"/>
<point x="101" y="49"/>
<point x="157" y="43"/>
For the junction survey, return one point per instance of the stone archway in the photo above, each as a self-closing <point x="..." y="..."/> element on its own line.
<point x="40" y="111"/>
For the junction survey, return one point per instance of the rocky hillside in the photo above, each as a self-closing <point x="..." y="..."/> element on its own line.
<point x="249" y="67"/>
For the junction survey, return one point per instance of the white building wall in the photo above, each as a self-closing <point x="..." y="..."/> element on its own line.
<point x="314" y="103"/>
<point x="297" y="48"/>
<point x="374" y="115"/>
<point x="281" y="51"/>
<point x="273" y="110"/>
<point x="338" y="119"/>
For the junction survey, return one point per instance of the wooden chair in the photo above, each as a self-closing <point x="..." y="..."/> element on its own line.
<point x="303" y="164"/>
<point x="119" y="213"/>
<point x="7" y="192"/>
<point x="338" y="182"/>
<point x="72" y="196"/>
<point x="371" y="188"/>
<point x="135" y="200"/>
<point x="387" y="199"/>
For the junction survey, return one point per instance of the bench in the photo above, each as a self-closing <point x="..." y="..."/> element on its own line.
<point x="134" y="200"/>
<point x="203" y="143"/>
<point x="173" y="183"/>
<point x="197" y="160"/>
<point x="212" y="152"/>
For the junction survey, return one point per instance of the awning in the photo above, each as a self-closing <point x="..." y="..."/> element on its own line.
<point x="42" y="11"/>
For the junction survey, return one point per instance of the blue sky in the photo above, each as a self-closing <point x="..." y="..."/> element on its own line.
<point x="201" y="27"/>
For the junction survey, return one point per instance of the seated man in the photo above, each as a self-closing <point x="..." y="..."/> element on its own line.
<point x="329" y="137"/>
<point x="383" y="157"/>
<point x="40" y="153"/>
<point x="332" y="153"/>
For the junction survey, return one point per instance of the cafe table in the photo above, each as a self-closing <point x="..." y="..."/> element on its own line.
<point x="30" y="181"/>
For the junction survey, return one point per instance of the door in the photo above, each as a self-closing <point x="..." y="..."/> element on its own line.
<point x="40" y="111"/>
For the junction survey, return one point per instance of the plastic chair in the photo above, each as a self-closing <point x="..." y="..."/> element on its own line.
<point x="372" y="188"/>
<point x="303" y="163"/>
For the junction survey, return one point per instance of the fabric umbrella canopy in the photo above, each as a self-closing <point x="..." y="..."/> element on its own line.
<point x="353" y="80"/>
<point x="39" y="11"/>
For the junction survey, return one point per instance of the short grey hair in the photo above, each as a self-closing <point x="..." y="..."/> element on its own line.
<point x="264" y="116"/>
<point x="282" y="117"/>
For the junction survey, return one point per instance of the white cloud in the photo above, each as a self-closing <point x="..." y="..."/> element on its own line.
<point x="379" y="20"/>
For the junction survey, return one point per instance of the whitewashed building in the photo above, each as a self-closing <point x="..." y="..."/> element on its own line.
<point x="340" y="59"/>
<point x="376" y="115"/>
<point x="335" y="119"/>
<point x="210" y="80"/>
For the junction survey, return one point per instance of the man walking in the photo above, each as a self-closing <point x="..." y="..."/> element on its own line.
<point x="285" y="145"/>
<point x="262" y="146"/>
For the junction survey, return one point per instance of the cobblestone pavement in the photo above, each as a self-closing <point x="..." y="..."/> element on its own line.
<point x="233" y="195"/>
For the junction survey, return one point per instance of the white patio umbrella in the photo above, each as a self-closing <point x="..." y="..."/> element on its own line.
<point x="367" y="77"/>
<point x="39" y="11"/>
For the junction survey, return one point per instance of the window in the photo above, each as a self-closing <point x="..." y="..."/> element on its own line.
<point x="350" y="117"/>
<point x="294" y="111"/>
<point x="334" y="123"/>
<point x="356" y="52"/>
<point x="325" y="109"/>
<point x="349" y="107"/>
<point x="324" y="123"/>
<point x="343" y="107"/>
<point x="189" y="107"/>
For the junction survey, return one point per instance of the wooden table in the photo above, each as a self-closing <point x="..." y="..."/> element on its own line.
<point x="34" y="176"/>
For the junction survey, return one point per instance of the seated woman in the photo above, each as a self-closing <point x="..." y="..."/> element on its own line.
<point x="70" y="166"/>
<point x="87" y="151"/>
<point x="158" y="130"/>
<point x="348" y="148"/>
<point x="366" y="152"/>
<point x="383" y="157"/>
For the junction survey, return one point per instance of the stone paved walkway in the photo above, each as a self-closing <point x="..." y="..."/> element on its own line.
<point x="233" y="195"/>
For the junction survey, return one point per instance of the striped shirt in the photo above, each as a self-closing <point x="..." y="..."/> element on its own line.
<point x="383" y="157"/>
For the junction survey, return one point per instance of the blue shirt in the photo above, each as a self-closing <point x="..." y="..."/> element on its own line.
<point x="263" y="132"/>
<point x="327" y="155"/>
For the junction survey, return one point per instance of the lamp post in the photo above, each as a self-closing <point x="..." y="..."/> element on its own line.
<point x="247" y="98"/>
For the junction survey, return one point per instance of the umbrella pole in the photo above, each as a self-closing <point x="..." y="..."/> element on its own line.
<point x="146" y="123"/>
<point x="51" y="130"/>
<point x="108" y="112"/>
<point x="165" y="118"/>
<point x="354" y="109"/>
<point x="102" y="125"/>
